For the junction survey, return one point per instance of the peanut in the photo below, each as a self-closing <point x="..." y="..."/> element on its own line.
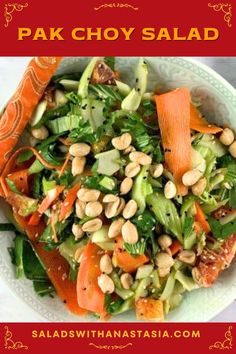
<point x="132" y="169"/>
<point x="106" y="264"/>
<point x="170" y="190"/>
<point x="106" y="284"/>
<point x="129" y="232"/>
<point x="92" y="225"/>
<point x="227" y="137"/>
<point x="140" y="158"/>
<point x="79" y="149"/>
<point x="78" y="164"/>
<point x="126" y="185"/>
<point x="93" y="209"/>
<point x="130" y="209"/>
<point x="122" y="142"/>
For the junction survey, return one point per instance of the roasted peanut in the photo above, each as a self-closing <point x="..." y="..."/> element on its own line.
<point x="187" y="256"/>
<point x="92" y="225"/>
<point x="110" y="198"/>
<point x="79" y="149"/>
<point x="126" y="280"/>
<point x="122" y="142"/>
<point x="106" y="284"/>
<point x="164" y="260"/>
<point x="115" y="228"/>
<point x="106" y="264"/>
<point x="227" y="137"/>
<point x="126" y="185"/>
<point x="191" y="177"/>
<point x="80" y="208"/>
<point x="132" y="169"/>
<point x="77" y="231"/>
<point x="165" y="241"/>
<point x="163" y="272"/>
<point x="128" y="150"/>
<point x="111" y="208"/>
<point x="199" y="187"/>
<point x="156" y="170"/>
<point x="93" y="209"/>
<point x="170" y="190"/>
<point x="140" y="158"/>
<point x="40" y="133"/>
<point x="232" y="149"/>
<point x="78" y="164"/>
<point x="129" y="232"/>
<point x="130" y="209"/>
<point x="88" y="195"/>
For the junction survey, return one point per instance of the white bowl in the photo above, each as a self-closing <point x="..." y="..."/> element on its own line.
<point x="218" y="100"/>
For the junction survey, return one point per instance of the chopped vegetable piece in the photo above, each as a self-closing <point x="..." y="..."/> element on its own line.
<point x="200" y="217"/>
<point x="89" y="295"/>
<point x="149" y="309"/>
<point x="198" y="123"/>
<point x="67" y="204"/>
<point x="126" y="261"/>
<point x="173" y="110"/>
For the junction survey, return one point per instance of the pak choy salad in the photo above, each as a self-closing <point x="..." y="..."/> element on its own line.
<point x="121" y="199"/>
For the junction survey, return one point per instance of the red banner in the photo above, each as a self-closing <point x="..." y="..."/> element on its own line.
<point x="131" y="338"/>
<point x="135" y="27"/>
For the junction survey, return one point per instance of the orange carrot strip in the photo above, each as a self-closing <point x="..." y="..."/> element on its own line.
<point x="52" y="195"/>
<point x="90" y="296"/>
<point x="11" y="163"/>
<point x="20" y="108"/>
<point x="198" y="123"/>
<point x="125" y="260"/>
<point x="173" y="110"/>
<point x="32" y="231"/>
<point x="20" y="179"/>
<point x="175" y="247"/>
<point x="200" y="217"/>
<point x="62" y="170"/>
<point x="58" y="270"/>
<point x="67" y="204"/>
<point x="35" y="218"/>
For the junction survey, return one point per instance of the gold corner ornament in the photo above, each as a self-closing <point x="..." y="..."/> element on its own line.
<point x="111" y="347"/>
<point x="116" y="5"/>
<point x="226" y="9"/>
<point x="10" y="8"/>
<point x="227" y="343"/>
<point x="10" y="344"/>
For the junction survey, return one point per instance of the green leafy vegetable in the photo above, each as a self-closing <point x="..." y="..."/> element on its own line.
<point x="166" y="213"/>
<point x="136" y="248"/>
<point x="222" y="231"/>
<point x="43" y="288"/>
<point x="97" y="182"/>
<point x="52" y="114"/>
<point x="141" y="189"/>
<point x="12" y="186"/>
<point x="112" y="305"/>
<point x="106" y="91"/>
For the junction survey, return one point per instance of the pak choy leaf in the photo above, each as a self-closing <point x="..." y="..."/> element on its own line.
<point x="166" y="213"/>
<point x="136" y="248"/>
<point x="220" y="231"/>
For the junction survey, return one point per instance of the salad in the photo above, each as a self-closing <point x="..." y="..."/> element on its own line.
<point x="121" y="199"/>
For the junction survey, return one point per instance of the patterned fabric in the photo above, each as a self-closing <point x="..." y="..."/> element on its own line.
<point x="21" y="106"/>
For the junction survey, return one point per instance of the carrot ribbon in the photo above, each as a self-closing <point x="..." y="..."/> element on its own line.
<point x="21" y="106"/>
